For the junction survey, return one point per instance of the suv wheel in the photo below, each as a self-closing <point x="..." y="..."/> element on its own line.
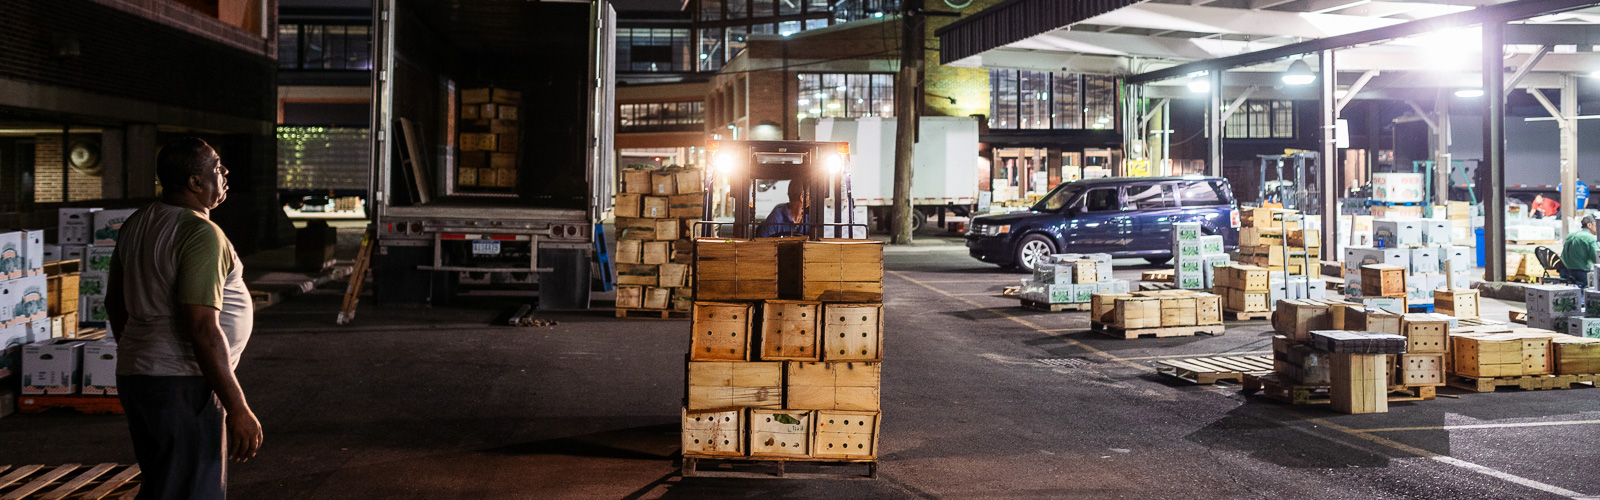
<point x="1032" y="250"/>
<point x="1157" y="260"/>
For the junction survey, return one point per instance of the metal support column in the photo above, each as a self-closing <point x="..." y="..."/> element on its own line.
<point x="1441" y="151"/>
<point x="1494" y="150"/>
<point x="1214" y="124"/>
<point x="1328" y="82"/>
<point x="1569" y="152"/>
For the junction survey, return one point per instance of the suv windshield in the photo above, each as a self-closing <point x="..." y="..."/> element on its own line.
<point x="1058" y="198"/>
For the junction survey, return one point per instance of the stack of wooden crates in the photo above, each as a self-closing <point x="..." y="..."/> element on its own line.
<point x="489" y="138"/>
<point x="784" y="361"/>
<point x="1262" y="240"/>
<point x="655" y="214"/>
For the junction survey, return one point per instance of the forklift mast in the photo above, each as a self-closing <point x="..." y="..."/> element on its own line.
<point x="823" y="167"/>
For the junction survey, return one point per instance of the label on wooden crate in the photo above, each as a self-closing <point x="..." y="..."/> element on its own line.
<point x="780" y="433"/>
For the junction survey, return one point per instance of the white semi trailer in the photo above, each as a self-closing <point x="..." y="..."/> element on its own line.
<point x="945" y="178"/>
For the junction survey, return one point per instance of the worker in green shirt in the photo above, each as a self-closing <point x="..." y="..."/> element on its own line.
<point x="1578" y="253"/>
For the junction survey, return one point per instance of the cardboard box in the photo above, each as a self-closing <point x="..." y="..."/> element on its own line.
<point x="1424" y="260"/>
<point x="98" y="258"/>
<point x="52" y="366"/>
<point x="1393" y="233"/>
<point x="24" y="299"/>
<point x="1397" y="187"/>
<point x="13" y="263"/>
<point x="73" y="226"/>
<point x="1438" y="232"/>
<point x="1355" y="257"/>
<point x="107" y="223"/>
<point x="33" y="252"/>
<point x="100" y="367"/>
<point x="1186" y="231"/>
<point x="1211" y="244"/>
<point x="12" y="338"/>
<point x="488" y="95"/>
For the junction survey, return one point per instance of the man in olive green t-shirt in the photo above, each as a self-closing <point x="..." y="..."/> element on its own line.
<point x="1578" y="253"/>
<point x="182" y="317"/>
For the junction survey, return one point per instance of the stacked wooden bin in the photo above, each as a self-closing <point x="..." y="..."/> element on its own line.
<point x="1160" y="313"/>
<point x="1266" y="233"/>
<point x="655" y="213"/>
<point x="489" y="138"/>
<point x="784" y="361"/>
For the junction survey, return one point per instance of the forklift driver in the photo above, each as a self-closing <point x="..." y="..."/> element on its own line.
<point x="781" y="222"/>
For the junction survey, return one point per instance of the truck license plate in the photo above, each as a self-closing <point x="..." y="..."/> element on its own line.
<point x="486" y="247"/>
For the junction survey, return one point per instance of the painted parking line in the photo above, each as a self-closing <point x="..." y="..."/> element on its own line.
<point x="1506" y="476"/>
<point x="1507" y="425"/>
<point x="1210" y="355"/>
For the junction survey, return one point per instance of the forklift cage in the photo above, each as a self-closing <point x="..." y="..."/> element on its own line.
<point x="824" y="167"/>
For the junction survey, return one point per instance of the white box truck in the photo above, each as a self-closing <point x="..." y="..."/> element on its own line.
<point x="945" y="177"/>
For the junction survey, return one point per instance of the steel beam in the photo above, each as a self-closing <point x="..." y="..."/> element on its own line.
<point x="1494" y="150"/>
<point x="1214" y="124"/>
<point x="1330" y="168"/>
<point x="1355" y="88"/>
<point x="1526" y="66"/>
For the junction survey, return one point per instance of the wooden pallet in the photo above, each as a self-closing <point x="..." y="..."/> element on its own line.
<point x="1303" y="394"/>
<point x="1522" y="278"/>
<point x="1152" y="287"/>
<point x="1048" y="307"/>
<point x="31" y="403"/>
<point x="1518" y="317"/>
<point x="1334" y="284"/>
<point x="1210" y="370"/>
<point x="777" y="468"/>
<point x="1164" y="331"/>
<point x="1156" y="275"/>
<point x="1531" y="242"/>
<point x="1466" y="322"/>
<point x="75" y="481"/>
<point x="1527" y="382"/>
<point x="1231" y="315"/>
<point x="623" y="312"/>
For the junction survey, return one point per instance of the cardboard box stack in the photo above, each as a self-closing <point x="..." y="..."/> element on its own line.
<point x="1550" y="306"/>
<point x="655" y="213"/>
<point x="489" y="137"/>
<point x="1193" y="253"/>
<point x="786" y="349"/>
<point x="1072" y="278"/>
<point x="1424" y="247"/>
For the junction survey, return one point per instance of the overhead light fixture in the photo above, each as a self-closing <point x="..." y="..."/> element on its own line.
<point x="1595" y="74"/>
<point x="1199" y="85"/>
<point x="1299" y="73"/>
<point x="1469" y="93"/>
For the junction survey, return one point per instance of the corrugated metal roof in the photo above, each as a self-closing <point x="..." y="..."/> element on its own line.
<point x="1015" y="20"/>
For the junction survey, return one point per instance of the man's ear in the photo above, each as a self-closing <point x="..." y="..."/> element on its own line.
<point x="195" y="185"/>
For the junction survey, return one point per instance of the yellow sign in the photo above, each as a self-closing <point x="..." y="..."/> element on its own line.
<point x="1138" y="168"/>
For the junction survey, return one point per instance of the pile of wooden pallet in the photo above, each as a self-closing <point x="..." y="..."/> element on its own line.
<point x="1163" y="313"/>
<point x="73" y="481"/>
<point x="1300" y="367"/>
<point x="654" y="214"/>
<point x="784" y="361"/>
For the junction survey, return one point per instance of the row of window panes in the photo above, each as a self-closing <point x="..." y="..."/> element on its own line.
<point x="845" y="95"/>
<point x="1044" y="100"/>
<point x="718" y="45"/>
<point x="845" y="11"/>
<point x="1261" y="119"/>
<point x="717" y="10"/>
<point x="324" y="46"/>
<point x="661" y="116"/>
<point x="654" y="49"/>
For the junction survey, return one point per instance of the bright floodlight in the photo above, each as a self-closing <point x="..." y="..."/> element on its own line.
<point x="834" y="164"/>
<point x="725" y="162"/>
<point x="1595" y="74"/>
<point x="1299" y="73"/>
<point x="1469" y="93"/>
<point x="1199" y="85"/>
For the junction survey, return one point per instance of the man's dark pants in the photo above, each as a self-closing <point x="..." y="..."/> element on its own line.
<point x="1578" y="277"/>
<point x="177" y="427"/>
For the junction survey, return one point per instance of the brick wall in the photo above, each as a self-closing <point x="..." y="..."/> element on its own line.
<point x="47" y="170"/>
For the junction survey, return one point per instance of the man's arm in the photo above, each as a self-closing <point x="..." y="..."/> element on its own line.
<point x="116" y="308"/>
<point x="211" y="352"/>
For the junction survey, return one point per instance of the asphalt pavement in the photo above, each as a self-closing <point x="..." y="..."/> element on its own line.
<point x="980" y="399"/>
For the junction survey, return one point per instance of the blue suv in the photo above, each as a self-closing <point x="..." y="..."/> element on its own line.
<point x="1121" y="216"/>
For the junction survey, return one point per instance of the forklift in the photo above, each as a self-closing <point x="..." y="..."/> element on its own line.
<point x="822" y="167"/>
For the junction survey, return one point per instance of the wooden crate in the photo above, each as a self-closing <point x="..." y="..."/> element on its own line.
<point x="1296" y="319"/>
<point x="1575" y="355"/>
<point x="1500" y="355"/>
<point x="630" y="297"/>
<point x="630" y="252"/>
<point x="1248" y="278"/>
<point x="686" y="206"/>
<point x="657" y="298"/>
<point x="628" y="205"/>
<point x="781" y="433"/>
<point x="654" y="207"/>
<point x="728" y="269"/>
<point x="735" y="384"/>
<point x="790" y="330"/>
<point x="636" y="182"/>
<point x="852" y="332"/>
<point x="638" y="274"/>
<point x="721" y="331"/>
<point x="62" y="293"/>
<point x="1372" y="320"/>
<point x="674" y="275"/>
<point x="845" y="434"/>
<point x="667" y="229"/>
<point x="832" y="386"/>
<point x="490" y="94"/>
<point x="1244" y="301"/>
<point x="629" y="228"/>
<point x="663" y="184"/>
<point x="653" y="252"/>
<point x="717" y="432"/>
<point x="1425" y="334"/>
<point x="1383" y="280"/>
<point x="1458" y="302"/>
<point x="1420" y="370"/>
<point x="1359" y="383"/>
<point x="1207" y="309"/>
<point x="1102" y="305"/>
<point x="689" y="181"/>
<point x="1137" y="312"/>
<point x="1310" y="238"/>
<point x="834" y="270"/>
<point x="1177" y="311"/>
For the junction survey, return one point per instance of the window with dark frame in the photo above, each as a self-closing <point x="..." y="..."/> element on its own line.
<point x="722" y="25"/>
<point x="1261" y="119"/>
<point x="1020" y="100"/>
<point x="654" y="50"/>
<point x="661" y="117"/>
<point x="337" y="47"/>
<point x="845" y="95"/>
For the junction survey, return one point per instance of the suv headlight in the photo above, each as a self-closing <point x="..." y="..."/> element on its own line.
<point x="990" y="229"/>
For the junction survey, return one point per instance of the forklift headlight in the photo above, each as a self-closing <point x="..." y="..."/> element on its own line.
<point x="725" y="162"/>
<point x="835" y="164"/>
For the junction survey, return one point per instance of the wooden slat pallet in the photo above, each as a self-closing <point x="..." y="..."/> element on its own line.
<point x="1466" y="322"/>
<point x="1232" y="315"/>
<point x="624" y="312"/>
<point x="1518" y="317"/>
<point x="1531" y="242"/>
<point x="1528" y="382"/>
<point x="1048" y="307"/>
<point x="1210" y="370"/>
<point x="776" y="468"/>
<point x="29" y="403"/>
<point x="1335" y="285"/>
<point x="1151" y="287"/>
<point x="70" y="481"/>
<point x="1301" y="394"/>
<point x="1156" y="275"/>
<point x="1164" y="331"/>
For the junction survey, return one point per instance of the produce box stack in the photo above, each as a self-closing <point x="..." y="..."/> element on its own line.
<point x="1427" y="345"/>
<point x="1192" y="253"/>
<point x="785" y="353"/>
<point x="1425" y="247"/>
<point x="1159" y="309"/>
<point x="1588" y="324"/>
<point x="90" y="237"/>
<point x="654" y="214"/>
<point x="1243" y="288"/>
<point x="1263" y="234"/>
<point x="1549" y="306"/>
<point x="24" y="295"/>
<point x="489" y="138"/>
<point x="1072" y="278"/>
<point x="1459" y="214"/>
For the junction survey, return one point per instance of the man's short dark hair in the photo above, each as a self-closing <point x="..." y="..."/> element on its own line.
<point x="181" y="159"/>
